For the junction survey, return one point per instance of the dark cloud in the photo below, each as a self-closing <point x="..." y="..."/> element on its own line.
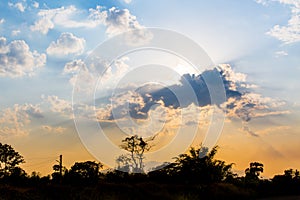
<point x="238" y="101"/>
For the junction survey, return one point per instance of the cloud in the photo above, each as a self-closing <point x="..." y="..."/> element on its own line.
<point x="74" y="67"/>
<point x="58" y="105"/>
<point x="2" y="20"/>
<point x="52" y="129"/>
<point x="127" y="1"/>
<point x="281" y="53"/>
<point x="16" y="59"/>
<point x="263" y="2"/>
<point x="19" y="6"/>
<point x="249" y="131"/>
<point x="80" y="74"/>
<point x="66" y="44"/>
<point x="15" y="32"/>
<point x="273" y="129"/>
<point x="43" y="25"/>
<point x="115" y="20"/>
<point x="121" y="20"/>
<point x="68" y="17"/>
<point x="35" y="4"/>
<point x="289" y="33"/>
<point x="241" y="102"/>
<point x="14" y="121"/>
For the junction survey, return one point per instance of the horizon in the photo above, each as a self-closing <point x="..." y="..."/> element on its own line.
<point x="59" y="96"/>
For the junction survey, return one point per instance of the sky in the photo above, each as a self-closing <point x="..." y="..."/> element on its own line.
<point x="61" y="95"/>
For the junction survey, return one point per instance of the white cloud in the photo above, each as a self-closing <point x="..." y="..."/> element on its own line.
<point x="281" y="53"/>
<point x="43" y="25"/>
<point x="289" y="33"/>
<point x="66" y="44"/>
<point x="35" y="4"/>
<point x="2" y="21"/>
<point x="69" y="17"/>
<point x="263" y="2"/>
<point x="17" y="60"/>
<point x="18" y="6"/>
<point x="127" y="1"/>
<point x="74" y="67"/>
<point x="119" y="21"/>
<point x="15" y="32"/>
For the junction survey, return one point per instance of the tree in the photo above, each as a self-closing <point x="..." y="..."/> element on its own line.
<point x="85" y="172"/>
<point x="194" y="168"/>
<point x="134" y="162"/>
<point x="254" y="170"/>
<point x="253" y="173"/>
<point x="9" y="160"/>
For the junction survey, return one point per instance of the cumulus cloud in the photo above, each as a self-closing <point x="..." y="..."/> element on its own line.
<point x="2" y="21"/>
<point x="16" y="59"/>
<point x="115" y="21"/>
<point x="58" y="105"/>
<point x="66" y="44"/>
<point x="74" y="67"/>
<point x="119" y="21"/>
<point x="289" y="33"/>
<point x="240" y="102"/>
<point x="43" y="25"/>
<point x="14" y="120"/>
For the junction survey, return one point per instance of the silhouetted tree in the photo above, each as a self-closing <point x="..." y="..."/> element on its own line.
<point x="9" y="160"/>
<point x="56" y="176"/>
<point x="192" y="168"/>
<point x="134" y="162"/>
<point x="253" y="173"/>
<point x="84" y="172"/>
<point x="288" y="183"/>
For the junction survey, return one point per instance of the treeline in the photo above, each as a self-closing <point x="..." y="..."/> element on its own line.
<point x="190" y="176"/>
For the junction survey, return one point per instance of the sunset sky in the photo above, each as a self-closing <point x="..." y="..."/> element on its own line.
<point x="47" y="50"/>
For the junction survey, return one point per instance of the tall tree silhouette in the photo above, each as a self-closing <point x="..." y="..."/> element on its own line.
<point x="136" y="147"/>
<point x="253" y="173"/>
<point x="9" y="160"/>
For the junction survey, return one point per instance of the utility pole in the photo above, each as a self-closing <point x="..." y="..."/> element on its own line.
<point x="60" y="165"/>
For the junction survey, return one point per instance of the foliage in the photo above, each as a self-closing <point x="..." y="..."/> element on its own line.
<point x="84" y="172"/>
<point x="136" y="147"/>
<point x="194" y="175"/>
<point x="192" y="168"/>
<point x="9" y="160"/>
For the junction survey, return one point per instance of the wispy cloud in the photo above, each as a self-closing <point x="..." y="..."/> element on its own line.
<point x="54" y="129"/>
<point x="19" y="6"/>
<point x="68" y="17"/>
<point x="289" y="33"/>
<point x="14" y="121"/>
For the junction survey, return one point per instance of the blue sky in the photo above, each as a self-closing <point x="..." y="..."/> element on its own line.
<point x="44" y="44"/>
